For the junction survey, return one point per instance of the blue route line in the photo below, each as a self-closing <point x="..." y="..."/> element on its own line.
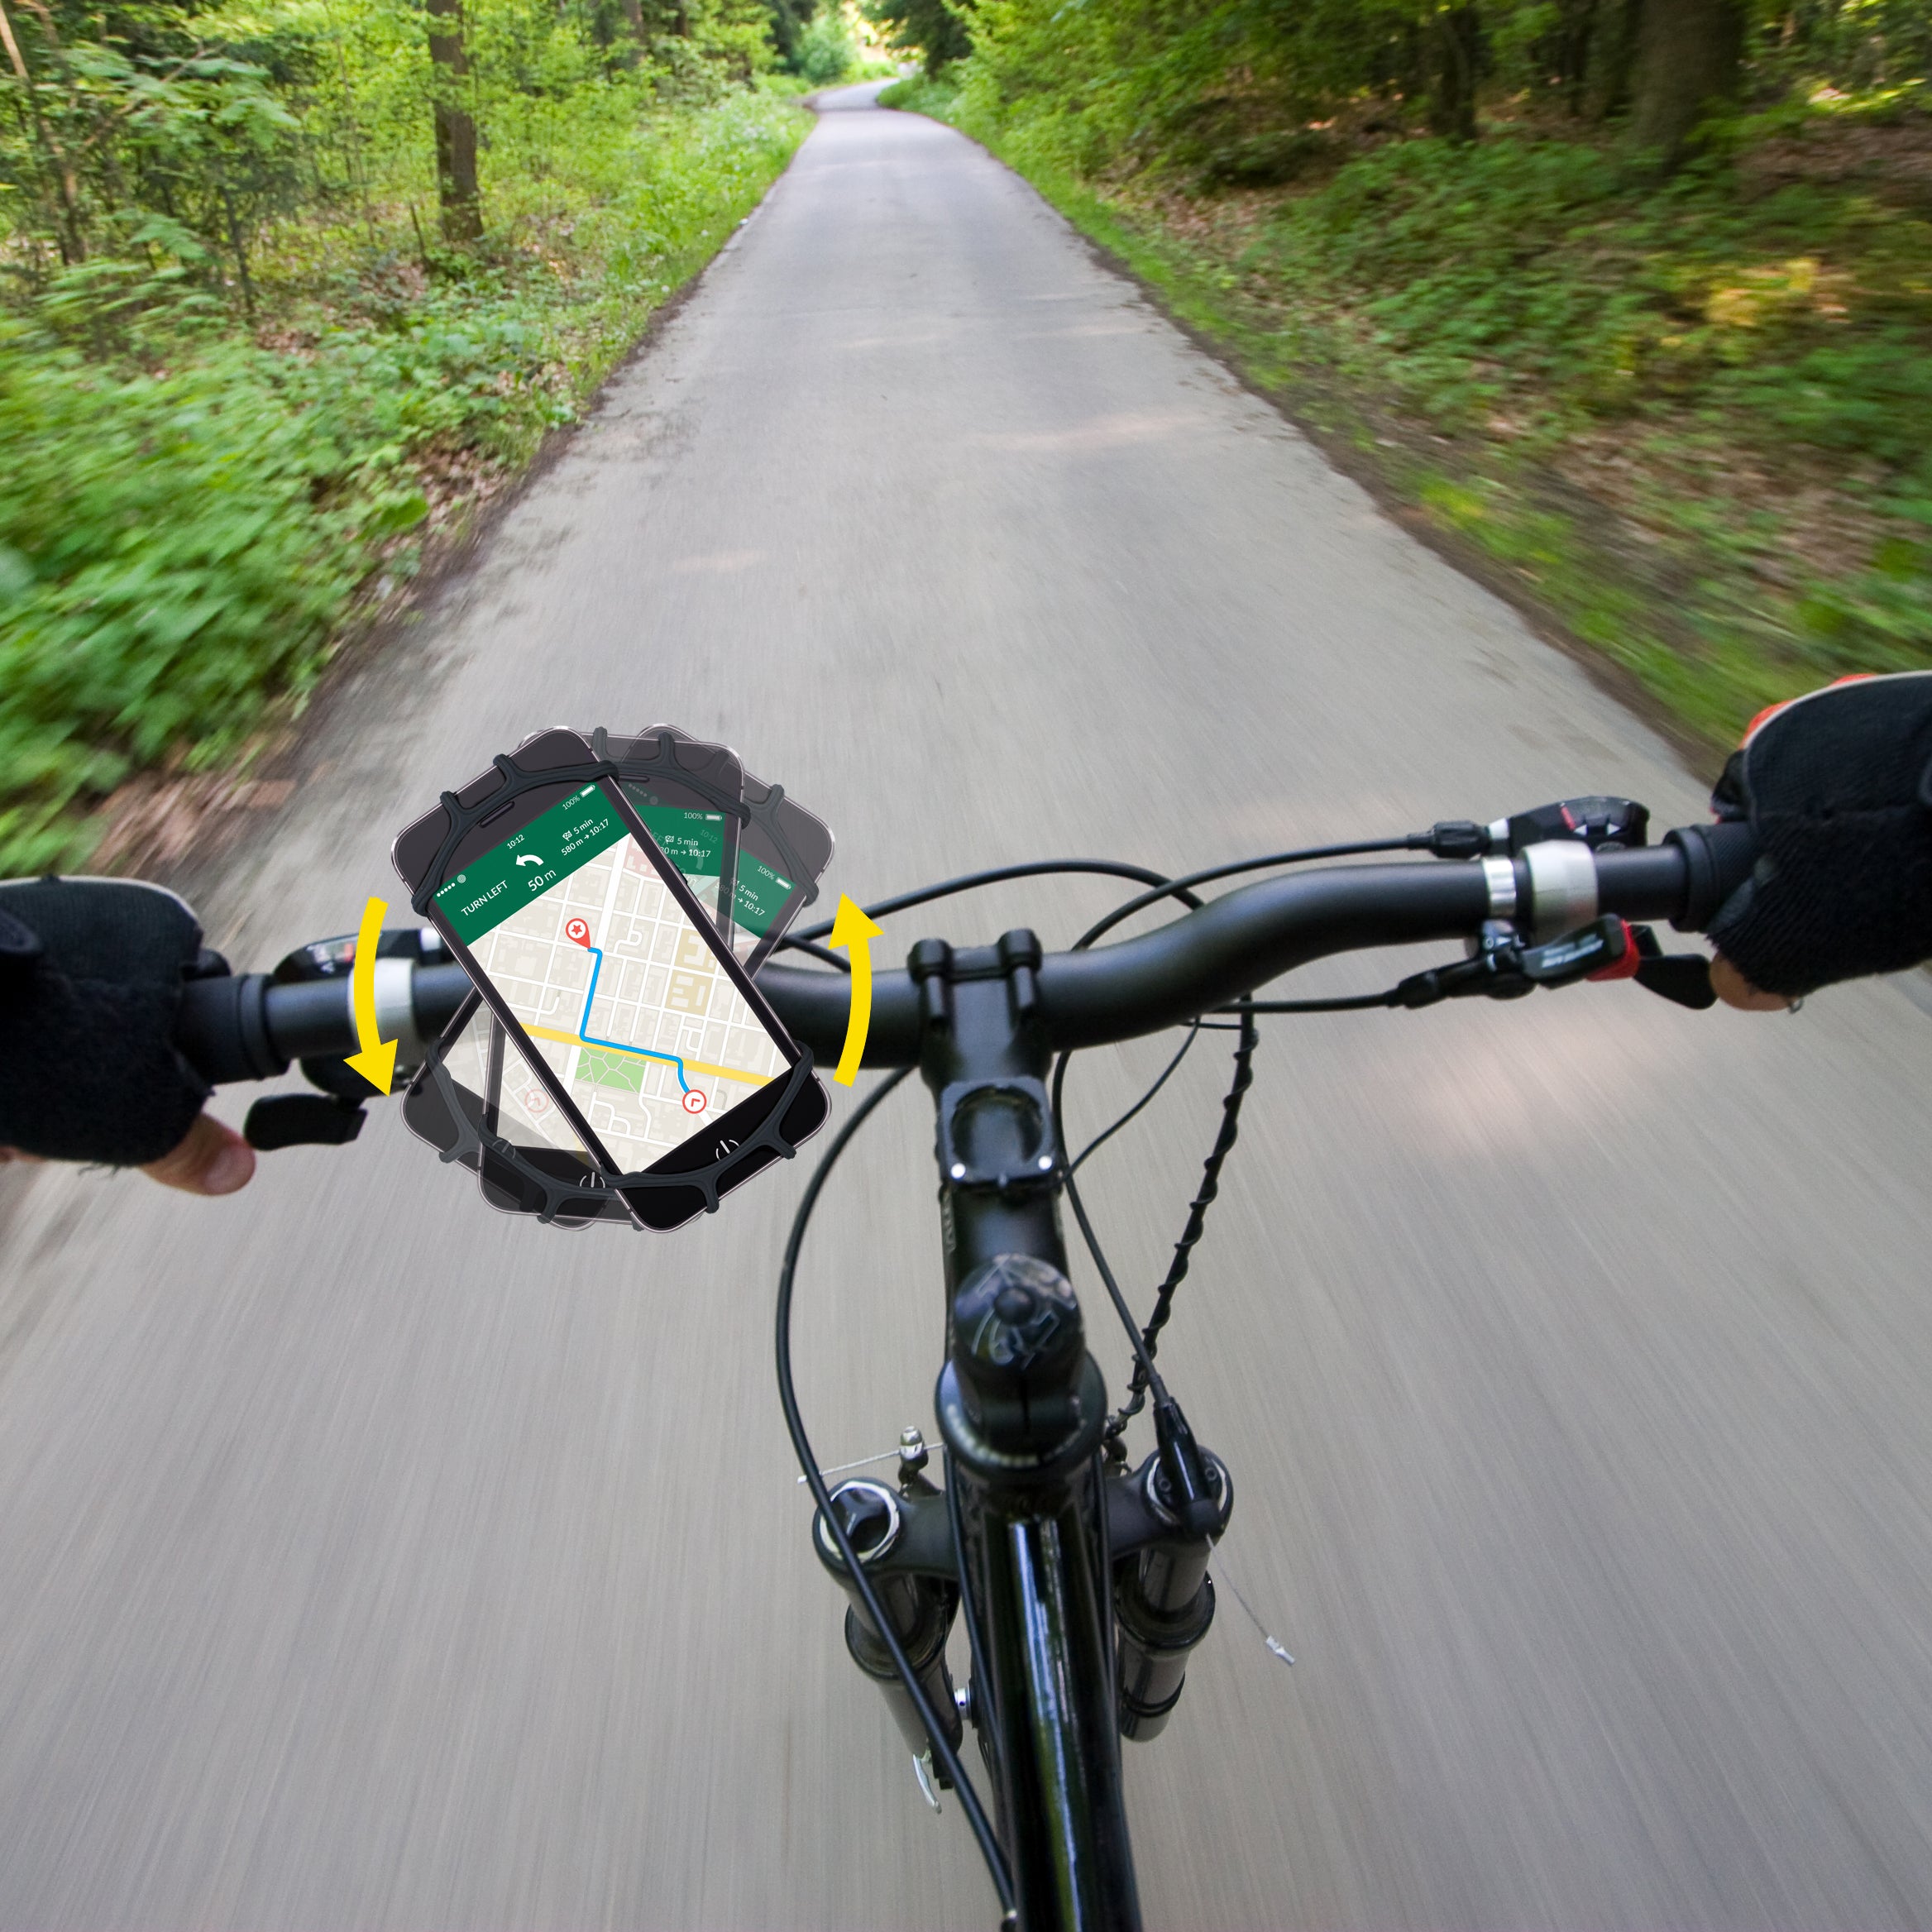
<point x="590" y="1039"/>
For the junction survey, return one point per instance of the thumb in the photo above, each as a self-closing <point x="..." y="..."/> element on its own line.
<point x="1735" y="990"/>
<point x="212" y="1158"/>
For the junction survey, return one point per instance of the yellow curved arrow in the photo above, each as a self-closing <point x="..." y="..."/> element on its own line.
<point x="376" y="1062"/>
<point x="852" y="929"/>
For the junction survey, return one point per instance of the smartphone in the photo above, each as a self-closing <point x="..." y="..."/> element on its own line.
<point x="783" y="853"/>
<point x="690" y="796"/>
<point x="611" y="983"/>
<point x="477" y="1102"/>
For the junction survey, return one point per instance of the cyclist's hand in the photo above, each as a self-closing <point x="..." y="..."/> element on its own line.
<point x="211" y="1160"/>
<point x="1838" y="786"/>
<point x="1735" y="990"/>
<point x="90" y="979"/>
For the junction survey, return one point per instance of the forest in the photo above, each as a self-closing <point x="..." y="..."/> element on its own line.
<point x="289" y="289"/>
<point x="1631" y="300"/>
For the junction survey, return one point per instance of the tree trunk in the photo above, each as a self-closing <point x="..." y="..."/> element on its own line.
<point x="1614" y="58"/>
<point x="634" y="14"/>
<point x="1576" y="33"/>
<point x="456" y="131"/>
<point x="240" y="248"/>
<point x="67" y="233"/>
<point x="1452" y="82"/>
<point x="1689" y="57"/>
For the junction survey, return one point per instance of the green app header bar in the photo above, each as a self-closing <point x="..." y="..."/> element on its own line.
<point x="558" y="842"/>
<point x="759" y="894"/>
<point x="693" y="841"/>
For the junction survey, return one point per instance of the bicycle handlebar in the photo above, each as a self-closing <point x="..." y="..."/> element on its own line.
<point x="248" y="1027"/>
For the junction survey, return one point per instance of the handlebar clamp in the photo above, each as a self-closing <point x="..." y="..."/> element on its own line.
<point x="997" y="1134"/>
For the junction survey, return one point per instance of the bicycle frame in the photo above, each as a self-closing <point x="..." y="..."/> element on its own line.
<point x="1042" y="1524"/>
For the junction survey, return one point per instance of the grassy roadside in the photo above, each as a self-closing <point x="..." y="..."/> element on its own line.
<point x="1691" y="425"/>
<point x="196" y="512"/>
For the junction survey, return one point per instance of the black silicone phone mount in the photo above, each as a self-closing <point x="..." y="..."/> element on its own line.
<point x="654" y="755"/>
<point x="472" y="1140"/>
<point x="464" y="819"/>
<point x="552" y="1193"/>
<point x="763" y="813"/>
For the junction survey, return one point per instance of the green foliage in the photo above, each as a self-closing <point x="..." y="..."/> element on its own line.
<point x="1548" y="270"/>
<point x="186" y="514"/>
<point x="827" y="51"/>
<point x="917" y="94"/>
<point x="170" y="563"/>
<point x="1540" y="288"/>
<point x="937" y="31"/>
<point x="1222" y="92"/>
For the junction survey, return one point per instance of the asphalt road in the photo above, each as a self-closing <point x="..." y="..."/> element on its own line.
<point x="368" y="1560"/>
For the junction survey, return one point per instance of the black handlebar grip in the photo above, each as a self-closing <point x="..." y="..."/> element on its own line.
<point x="312" y="1019"/>
<point x="249" y="1027"/>
<point x="435" y="993"/>
<point x="1718" y="859"/>
<point x="315" y="1019"/>
<point x="221" y="1029"/>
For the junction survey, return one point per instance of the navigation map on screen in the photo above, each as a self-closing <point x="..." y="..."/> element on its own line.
<point x="614" y="985"/>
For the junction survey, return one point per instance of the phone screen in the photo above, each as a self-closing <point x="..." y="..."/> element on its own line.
<point x="617" y="989"/>
<point x="693" y="841"/>
<point x="782" y="851"/>
<point x="761" y="895"/>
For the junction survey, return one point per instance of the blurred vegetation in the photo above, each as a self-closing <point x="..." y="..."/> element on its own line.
<point x="1666" y="359"/>
<point x="284" y="291"/>
<point x="842" y="45"/>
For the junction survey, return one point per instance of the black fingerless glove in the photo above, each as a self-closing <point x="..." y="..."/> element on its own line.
<point x="1838" y="787"/>
<point x="90" y="980"/>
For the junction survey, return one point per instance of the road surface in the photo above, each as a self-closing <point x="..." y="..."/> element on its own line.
<point x="371" y="1561"/>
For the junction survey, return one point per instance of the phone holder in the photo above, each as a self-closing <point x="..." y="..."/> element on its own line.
<point x="464" y="819"/>
<point x="656" y="757"/>
<point x="458" y="1136"/>
<point x="640" y="767"/>
<point x="452" y="1126"/>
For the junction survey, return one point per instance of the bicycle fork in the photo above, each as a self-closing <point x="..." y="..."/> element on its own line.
<point x="1087" y="1584"/>
<point x="921" y="1604"/>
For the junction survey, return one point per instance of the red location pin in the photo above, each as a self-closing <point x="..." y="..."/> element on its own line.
<point x="694" y="1102"/>
<point x="576" y="930"/>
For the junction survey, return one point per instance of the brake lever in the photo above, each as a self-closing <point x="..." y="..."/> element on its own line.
<point x="1604" y="825"/>
<point x="1682" y="977"/>
<point x="301" y="1120"/>
<point x="1606" y="949"/>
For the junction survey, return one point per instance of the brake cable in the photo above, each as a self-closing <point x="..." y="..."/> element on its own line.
<point x="1197" y="1223"/>
<point x="949" y="1759"/>
<point x="1145" y="1341"/>
<point x="996" y="875"/>
<point x="1108" y="1133"/>
<point x="1411" y="842"/>
<point x="1146" y="1379"/>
